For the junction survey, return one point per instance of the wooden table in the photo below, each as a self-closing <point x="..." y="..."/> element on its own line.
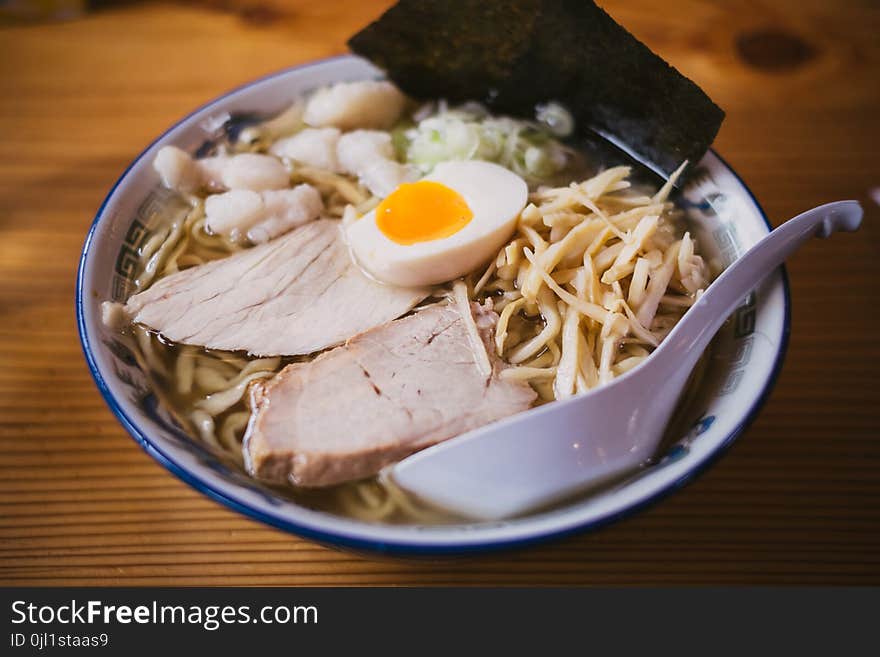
<point x="797" y="500"/>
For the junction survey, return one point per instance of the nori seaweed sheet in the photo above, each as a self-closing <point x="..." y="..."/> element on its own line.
<point x="513" y="54"/>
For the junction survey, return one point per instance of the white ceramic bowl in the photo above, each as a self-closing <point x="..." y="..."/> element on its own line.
<point x="743" y="365"/>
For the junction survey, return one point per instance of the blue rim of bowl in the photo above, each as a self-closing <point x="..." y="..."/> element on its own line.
<point x="400" y="548"/>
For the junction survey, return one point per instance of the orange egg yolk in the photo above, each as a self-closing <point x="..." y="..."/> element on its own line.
<point x="421" y="212"/>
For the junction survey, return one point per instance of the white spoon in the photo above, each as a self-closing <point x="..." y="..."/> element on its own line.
<point x="549" y="453"/>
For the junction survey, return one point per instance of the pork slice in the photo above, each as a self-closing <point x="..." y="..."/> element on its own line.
<point x="386" y="394"/>
<point x="297" y="294"/>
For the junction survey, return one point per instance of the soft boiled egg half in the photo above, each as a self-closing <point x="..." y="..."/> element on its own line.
<point x="441" y="227"/>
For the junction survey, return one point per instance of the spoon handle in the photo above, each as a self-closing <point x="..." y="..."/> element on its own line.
<point x="702" y="321"/>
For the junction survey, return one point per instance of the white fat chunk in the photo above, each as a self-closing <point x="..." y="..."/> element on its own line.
<point x="261" y="216"/>
<point x="181" y="172"/>
<point x="245" y="171"/>
<point x="358" y="149"/>
<point x="384" y="176"/>
<point x="314" y="147"/>
<point x="351" y="105"/>
<point x="369" y="155"/>
<point x="177" y="169"/>
<point x="233" y="211"/>
<point x="113" y="315"/>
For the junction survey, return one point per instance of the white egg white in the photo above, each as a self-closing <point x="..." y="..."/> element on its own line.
<point x="495" y="196"/>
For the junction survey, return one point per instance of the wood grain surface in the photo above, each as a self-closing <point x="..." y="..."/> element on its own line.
<point x="795" y="501"/>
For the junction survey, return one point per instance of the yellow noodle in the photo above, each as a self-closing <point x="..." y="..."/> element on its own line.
<point x="566" y="376"/>
<point x="146" y="346"/>
<point x="484" y="278"/>
<point x="657" y="285"/>
<point x="546" y="358"/>
<point x="204" y="425"/>
<point x="218" y="402"/>
<point x="462" y="301"/>
<point x="503" y="320"/>
<point x="233" y="426"/>
<point x="634" y="243"/>
<point x="351" y="192"/>
<point x="625" y="365"/>
<point x="588" y="375"/>
<point x="209" y="379"/>
<point x="184" y="369"/>
<point x="586" y="308"/>
<point x="552" y="325"/>
<point x="638" y="283"/>
<point x="525" y="373"/>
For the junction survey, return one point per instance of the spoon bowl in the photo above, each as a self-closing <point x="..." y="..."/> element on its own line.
<point x="567" y="446"/>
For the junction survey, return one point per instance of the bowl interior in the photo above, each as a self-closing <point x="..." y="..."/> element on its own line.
<point x="739" y="372"/>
